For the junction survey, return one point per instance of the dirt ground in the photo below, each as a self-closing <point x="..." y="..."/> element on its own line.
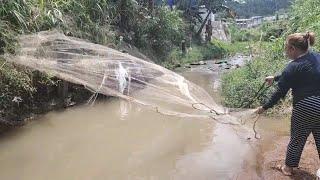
<point x="309" y="163"/>
<point x="308" y="166"/>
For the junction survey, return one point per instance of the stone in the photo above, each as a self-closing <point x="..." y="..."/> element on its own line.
<point x="221" y="62"/>
<point x="195" y="63"/>
<point x="202" y="63"/>
<point x="198" y="63"/>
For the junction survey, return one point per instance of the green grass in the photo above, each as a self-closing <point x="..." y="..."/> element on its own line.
<point x="242" y="84"/>
<point x="213" y="50"/>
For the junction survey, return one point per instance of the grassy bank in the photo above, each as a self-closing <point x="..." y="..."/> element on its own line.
<point x="216" y="49"/>
<point x="25" y="92"/>
<point x="242" y="84"/>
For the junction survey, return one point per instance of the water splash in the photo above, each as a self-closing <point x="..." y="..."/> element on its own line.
<point x="122" y="76"/>
<point x="184" y="88"/>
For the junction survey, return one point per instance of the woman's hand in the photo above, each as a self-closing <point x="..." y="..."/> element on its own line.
<point x="269" y="80"/>
<point x="260" y="110"/>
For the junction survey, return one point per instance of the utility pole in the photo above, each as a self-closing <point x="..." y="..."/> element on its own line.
<point x="151" y="6"/>
<point x="204" y="23"/>
<point x="276" y="6"/>
<point x="276" y="10"/>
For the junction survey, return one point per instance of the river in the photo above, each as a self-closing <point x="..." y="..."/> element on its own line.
<point x="117" y="140"/>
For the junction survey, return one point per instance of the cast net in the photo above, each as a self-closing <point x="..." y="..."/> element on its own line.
<point x="107" y="71"/>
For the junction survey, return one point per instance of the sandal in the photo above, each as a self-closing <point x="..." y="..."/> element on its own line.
<point x="283" y="169"/>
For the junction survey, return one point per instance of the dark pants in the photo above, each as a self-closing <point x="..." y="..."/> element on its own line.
<point x="305" y="120"/>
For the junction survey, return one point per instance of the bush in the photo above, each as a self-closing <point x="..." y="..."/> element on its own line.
<point x="160" y="33"/>
<point x="215" y="49"/>
<point x="176" y="58"/>
<point x="305" y="16"/>
<point x="241" y="85"/>
<point x="273" y="30"/>
<point x="212" y="50"/>
<point x="243" y="35"/>
<point x="14" y="84"/>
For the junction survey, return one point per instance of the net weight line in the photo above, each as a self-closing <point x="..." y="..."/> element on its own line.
<point x="261" y="90"/>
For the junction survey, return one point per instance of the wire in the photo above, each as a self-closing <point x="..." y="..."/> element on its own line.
<point x="258" y="94"/>
<point x="226" y="123"/>
<point x="256" y="134"/>
<point x="210" y="109"/>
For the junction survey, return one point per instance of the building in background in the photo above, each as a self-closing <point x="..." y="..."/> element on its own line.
<point x="243" y="23"/>
<point x="251" y="22"/>
<point x="256" y="21"/>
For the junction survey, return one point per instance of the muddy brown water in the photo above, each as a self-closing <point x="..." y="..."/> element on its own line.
<point x="116" y="140"/>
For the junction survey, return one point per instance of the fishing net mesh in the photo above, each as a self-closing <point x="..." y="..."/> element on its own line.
<point x="107" y="71"/>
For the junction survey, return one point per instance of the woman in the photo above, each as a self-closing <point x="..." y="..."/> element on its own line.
<point x="302" y="75"/>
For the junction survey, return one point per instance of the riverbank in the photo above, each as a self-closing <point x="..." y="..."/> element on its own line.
<point x="271" y="153"/>
<point x="25" y="109"/>
<point x="309" y="163"/>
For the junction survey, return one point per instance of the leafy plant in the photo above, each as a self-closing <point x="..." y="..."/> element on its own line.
<point x="161" y="32"/>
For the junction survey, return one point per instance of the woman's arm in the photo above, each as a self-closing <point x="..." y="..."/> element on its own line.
<point x="284" y="84"/>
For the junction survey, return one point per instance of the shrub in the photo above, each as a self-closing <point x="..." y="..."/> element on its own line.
<point x="273" y="30"/>
<point x="14" y="84"/>
<point x="241" y="85"/>
<point x="215" y="49"/>
<point x="161" y="33"/>
<point x="243" y="35"/>
<point x="212" y="50"/>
